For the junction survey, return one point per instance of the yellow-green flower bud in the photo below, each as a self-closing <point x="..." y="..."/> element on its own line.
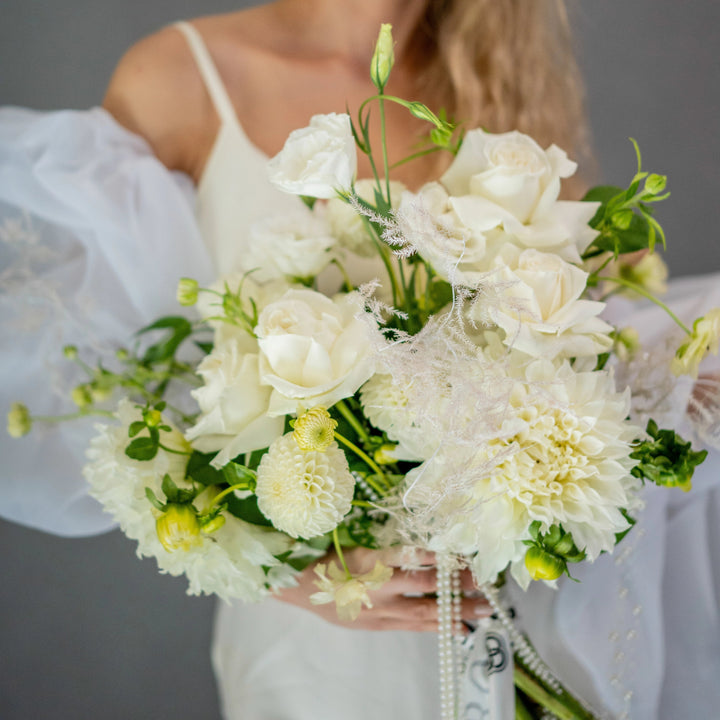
<point x="384" y="455"/>
<point x="627" y="343"/>
<point x="152" y="418"/>
<point x="383" y="58"/>
<point x="70" y="352"/>
<point x="121" y="354"/>
<point x="213" y="525"/>
<point x="315" y="430"/>
<point x="655" y="184"/>
<point x="100" y="393"/>
<point x="705" y="338"/>
<point x="82" y="396"/>
<point x="187" y="291"/>
<point x="178" y="528"/>
<point x="543" y="565"/>
<point x="19" y="422"/>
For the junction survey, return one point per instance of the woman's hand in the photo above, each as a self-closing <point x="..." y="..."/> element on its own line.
<point x="406" y="602"/>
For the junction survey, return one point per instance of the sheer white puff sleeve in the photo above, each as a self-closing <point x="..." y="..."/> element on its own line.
<point x="94" y="234"/>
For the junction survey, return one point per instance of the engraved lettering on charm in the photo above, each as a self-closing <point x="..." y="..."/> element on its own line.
<point x="473" y="711"/>
<point x="497" y="654"/>
<point x="478" y="675"/>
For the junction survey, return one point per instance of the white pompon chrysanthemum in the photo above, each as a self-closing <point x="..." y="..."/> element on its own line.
<point x="230" y="563"/>
<point x="304" y="493"/>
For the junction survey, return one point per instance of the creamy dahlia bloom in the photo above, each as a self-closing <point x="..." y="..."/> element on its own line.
<point x="313" y="350"/>
<point x="385" y="404"/>
<point x="295" y="245"/>
<point x="348" y="593"/>
<point x="234" y="405"/>
<point x="304" y="493"/>
<point x="543" y="314"/>
<point x="347" y="225"/>
<point x="566" y="461"/>
<point x="229" y="563"/>
<point x="318" y="160"/>
<point x="509" y="182"/>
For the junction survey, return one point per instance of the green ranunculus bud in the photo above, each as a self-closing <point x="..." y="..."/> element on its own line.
<point x="178" y="528"/>
<point x="655" y="184"/>
<point x="100" y="393"/>
<point x="19" y="422"/>
<point x="383" y="58"/>
<point x="187" y="291"/>
<point x="121" y="354"/>
<point x="70" y="352"/>
<point x="543" y="565"/>
<point x="82" y="396"/>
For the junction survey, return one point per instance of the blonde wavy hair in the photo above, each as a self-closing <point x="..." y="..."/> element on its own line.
<point x="510" y="65"/>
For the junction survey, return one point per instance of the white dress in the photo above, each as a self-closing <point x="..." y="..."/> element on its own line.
<point x="87" y="218"/>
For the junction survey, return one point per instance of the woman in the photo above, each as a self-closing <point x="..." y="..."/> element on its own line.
<point x="275" y="77"/>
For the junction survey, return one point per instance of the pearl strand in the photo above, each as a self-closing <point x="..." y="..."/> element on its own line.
<point x="365" y="488"/>
<point x="449" y="604"/>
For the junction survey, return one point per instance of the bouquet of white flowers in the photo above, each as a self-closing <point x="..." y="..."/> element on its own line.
<point x="464" y="403"/>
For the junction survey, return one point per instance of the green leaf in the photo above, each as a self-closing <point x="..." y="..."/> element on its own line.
<point x="179" y="328"/>
<point x="200" y="471"/>
<point x="150" y="495"/>
<point x="206" y="347"/>
<point x="143" y="449"/>
<point x="234" y="474"/>
<point x="135" y="428"/>
<point x="246" y="510"/>
<point x="602" y="193"/>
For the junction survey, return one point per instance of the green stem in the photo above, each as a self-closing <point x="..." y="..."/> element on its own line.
<point x="383" y="139"/>
<point x="362" y="503"/>
<point x="535" y="691"/>
<point x="347" y="413"/>
<point x="346" y="278"/>
<point x="521" y="712"/>
<point x="227" y="491"/>
<point x="371" y="464"/>
<point x="175" y="452"/>
<point x="641" y="291"/>
<point x="72" y="416"/>
<point x="384" y="253"/>
<point x="415" y="156"/>
<point x="341" y="557"/>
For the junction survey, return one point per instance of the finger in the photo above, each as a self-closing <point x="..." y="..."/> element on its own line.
<point x="408" y="557"/>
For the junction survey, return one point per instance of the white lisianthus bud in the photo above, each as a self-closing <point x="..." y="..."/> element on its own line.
<point x="19" y="422"/>
<point x="178" y="528"/>
<point x="315" y="430"/>
<point x="704" y="339"/>
<point x="187" y="291"/>
<point x="70" y="352"/>
<point x="384" y="57"/>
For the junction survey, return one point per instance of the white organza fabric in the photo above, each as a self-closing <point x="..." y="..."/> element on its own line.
<point x="94" y="234"/>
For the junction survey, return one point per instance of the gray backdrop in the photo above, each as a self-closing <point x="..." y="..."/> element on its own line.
<point x="87" y="630"/>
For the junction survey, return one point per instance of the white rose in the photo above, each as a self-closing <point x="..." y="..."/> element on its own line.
<point x="510" y="181"/>
<point x="543" y="315"/>
<point x="347" y="225"/>
<point x="296" y="245"/>
<point x="313" y="350"/>
<point x="456" y="252"/>
<point x="234" y="405"/>
<point x="317" y="160"/>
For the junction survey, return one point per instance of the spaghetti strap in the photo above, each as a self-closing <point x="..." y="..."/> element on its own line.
<point x="209" y="73"/>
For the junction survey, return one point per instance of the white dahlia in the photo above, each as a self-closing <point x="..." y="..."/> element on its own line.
<point x="304" y="493"/>
<point x="566" y="462"/>
<point x="229" y="563"/>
